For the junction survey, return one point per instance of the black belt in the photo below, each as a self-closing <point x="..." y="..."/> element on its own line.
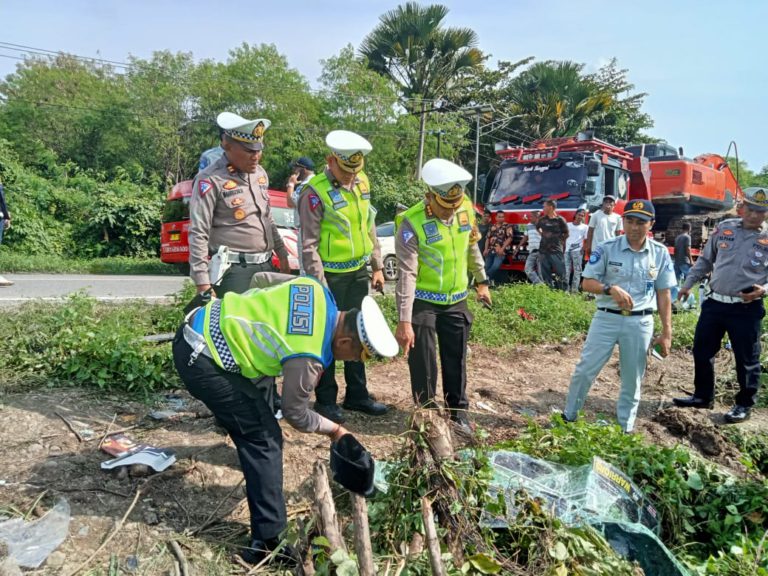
<point x="645" y="312"/>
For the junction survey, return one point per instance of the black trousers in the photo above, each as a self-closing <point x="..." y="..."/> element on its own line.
<point x="348" y="289"/>
<point x="447" y="326"/>
<point x="245" y="410"/>
<point x="238" y="277"/>
<point x="552" y="266"/>
<point x="742" y="324"/>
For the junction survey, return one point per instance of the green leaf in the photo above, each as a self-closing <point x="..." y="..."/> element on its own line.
<point x="484" y="564"/>
<point x="559" y="552"/>
<point x="694" y="481"/>
<point x="321" y="541"/>
<point x="347" y="568"/>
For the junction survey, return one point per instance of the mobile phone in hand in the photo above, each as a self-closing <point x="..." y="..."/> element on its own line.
<point x="748" y="289"/>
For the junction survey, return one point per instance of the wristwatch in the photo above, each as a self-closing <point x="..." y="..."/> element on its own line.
<point x="607" y="289"/>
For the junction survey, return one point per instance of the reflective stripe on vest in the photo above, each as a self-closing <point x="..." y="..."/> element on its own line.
<point x="255" y="333"/>
<point x="442" y="275"/>
<point x="344" y="242"/>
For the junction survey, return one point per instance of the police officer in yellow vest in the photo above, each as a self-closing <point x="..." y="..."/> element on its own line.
<point x="230" y="207"/>
<point x="436" y="245"/>
<point x="338" y="238"/>
<point x="229" y="352"/>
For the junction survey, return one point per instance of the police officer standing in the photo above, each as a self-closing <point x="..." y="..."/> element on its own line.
<point x="228" y="353"/>
<point x="737" y="257"/>
<point x="632" y="275"/>
<point x="436" y="245"/>
<point x="338" y="239"/>
<point x="230" y="207"/>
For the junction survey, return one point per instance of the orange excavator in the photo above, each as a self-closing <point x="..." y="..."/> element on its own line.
<point x="701" y="191"/>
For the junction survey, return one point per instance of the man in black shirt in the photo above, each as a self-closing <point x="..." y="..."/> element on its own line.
<point x="683" y="253"/>
<point x="554" y="232"/>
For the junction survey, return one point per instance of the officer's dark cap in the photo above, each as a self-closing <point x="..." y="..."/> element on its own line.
<point x="642" y="209"/>
<point x="305" y="162"/>
<point x="352" y="465"/>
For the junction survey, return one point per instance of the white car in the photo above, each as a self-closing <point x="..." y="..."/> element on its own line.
<point x="386" y="234"/>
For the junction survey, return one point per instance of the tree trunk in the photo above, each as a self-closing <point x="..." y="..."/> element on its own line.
<point x="433" y="544"/>
<point x="422" y="126"/>
<point x="362" y="536"/>
<point x="326" y="510"/>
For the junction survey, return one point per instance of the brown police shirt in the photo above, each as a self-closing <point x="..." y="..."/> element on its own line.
<point x="229" y="208"/>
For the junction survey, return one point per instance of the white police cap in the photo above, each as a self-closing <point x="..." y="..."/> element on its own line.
<point x="349" y="149"/>
<point x="447" y="180"/>
<point x="249" y="132"/>
<point x="372" y="328"/>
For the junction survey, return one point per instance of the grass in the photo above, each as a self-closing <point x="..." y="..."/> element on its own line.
<point x="11" y="262"/>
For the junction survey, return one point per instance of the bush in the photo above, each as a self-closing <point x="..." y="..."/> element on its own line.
<point x="697" y="502"/>
<point x="87" y="343"/>
<point x="11" y="261"/>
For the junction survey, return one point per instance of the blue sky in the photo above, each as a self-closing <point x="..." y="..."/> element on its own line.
<point x="704" y="65"/>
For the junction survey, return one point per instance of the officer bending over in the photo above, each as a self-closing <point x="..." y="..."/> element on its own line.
<point x="228" y="353"/>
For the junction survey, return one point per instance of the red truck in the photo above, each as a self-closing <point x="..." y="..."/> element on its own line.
<point x="580" y="170"/>
<point x="174" y="229"/>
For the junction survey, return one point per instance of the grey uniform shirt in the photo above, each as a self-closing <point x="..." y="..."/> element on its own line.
<point x="407" y="250"/>
<point x="640" y="273"/>
<point x="736" y="257"/>
<point x="229" y="208"/>
<point x="300" y="376"/>
<point x="311" y="218"/>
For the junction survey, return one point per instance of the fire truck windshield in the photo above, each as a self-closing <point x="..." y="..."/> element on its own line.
<point x="530" y="184"/>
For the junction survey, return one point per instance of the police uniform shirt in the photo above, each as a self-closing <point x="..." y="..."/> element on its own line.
<point x="311" y="217"/>
<point x="408" y="266"/>
<point x="737" y="258"/>
<point x="229" y="208"/>
<point x="640" y="273"/>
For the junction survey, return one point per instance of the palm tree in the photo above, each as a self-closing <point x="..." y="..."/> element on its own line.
<point x="426" y="60"/>
<point x="555" y="99"/>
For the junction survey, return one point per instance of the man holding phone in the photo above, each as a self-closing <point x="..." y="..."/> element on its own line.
<point x="737" y="257"/>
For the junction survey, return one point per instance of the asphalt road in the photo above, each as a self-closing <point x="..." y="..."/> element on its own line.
<point x="101" y="287"/>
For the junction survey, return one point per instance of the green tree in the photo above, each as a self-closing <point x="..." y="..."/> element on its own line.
<point x="624" y="122"/>
<point x="555" y="99"/>
<point x="427" y="61"/>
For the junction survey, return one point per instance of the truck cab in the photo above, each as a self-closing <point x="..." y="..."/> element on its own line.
<point x="577" y="172"/>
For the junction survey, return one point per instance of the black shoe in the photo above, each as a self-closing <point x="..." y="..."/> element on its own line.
<point x="330" y="411"/>
<point x="285" y="555"/>
<point x="367" y="406"/>
<point x="566" y="419"/>
<point x="738" y="414"/>
<point x="462" y="422"/>
<point x="693" y="402"/>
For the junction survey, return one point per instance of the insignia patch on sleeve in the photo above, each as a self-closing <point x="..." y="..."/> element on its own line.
<point x="203" y="187"/>
<point x="406" y="235"/>
<point x="597" y="253"/>
<point x="314" y="201"/>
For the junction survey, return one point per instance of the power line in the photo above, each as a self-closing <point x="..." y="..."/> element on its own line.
<point x="50" y="54"/>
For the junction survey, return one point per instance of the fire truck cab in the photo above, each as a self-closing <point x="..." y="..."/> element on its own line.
<point x="577" y="172"/>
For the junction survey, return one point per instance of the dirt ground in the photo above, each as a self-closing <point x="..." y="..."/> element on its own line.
<point x="198" y="502"/>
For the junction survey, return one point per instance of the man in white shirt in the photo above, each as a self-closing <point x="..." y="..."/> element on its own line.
<point x="603" y="225"/>
<point x="574" y="256"/>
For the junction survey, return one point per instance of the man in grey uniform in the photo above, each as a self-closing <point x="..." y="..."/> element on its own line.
<point x="230" y="207"/>
<point x="737" y="256"/>
<point x="632" y="275"/>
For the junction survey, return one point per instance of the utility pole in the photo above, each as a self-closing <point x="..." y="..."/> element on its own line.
<point x="439" y="134"/>
<point x="478" y="110"/>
